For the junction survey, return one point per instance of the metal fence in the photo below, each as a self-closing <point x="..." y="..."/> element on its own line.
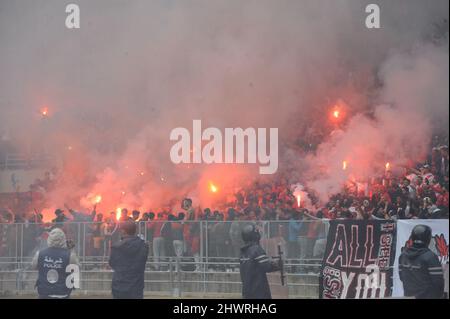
<point x="184" y="257"/>
<point x="14" y="161"/>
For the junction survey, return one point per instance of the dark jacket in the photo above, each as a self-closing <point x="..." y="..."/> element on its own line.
<point x="421" y="273"/>
<point x="128" y="258"/>
<point x="177" y="231"/>
<point x="254" y="266"/>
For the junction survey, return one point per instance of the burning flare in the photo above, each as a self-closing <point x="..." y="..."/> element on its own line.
<point x="387" y="166"/>
<point x="118" y="213"/>
<point x="299" y="200"/>
<point x="44" y="111"/>
<point x="213" y="188"/>
<point x="336" y="114"/>
<point x="97" y="199"/>
<point x="344" y="165"/>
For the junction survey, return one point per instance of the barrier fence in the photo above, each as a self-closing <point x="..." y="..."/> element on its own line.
<point x="184" y="257"/>
<point x="15" y="161"/>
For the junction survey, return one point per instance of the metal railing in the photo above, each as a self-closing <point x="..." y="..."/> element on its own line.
<point x="184" y="257"/>
<point x="13" y="161"/>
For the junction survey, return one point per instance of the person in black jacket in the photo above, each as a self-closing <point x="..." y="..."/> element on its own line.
<point x="254" y="266"/>
<point x="128" y="258"/>
<point x="420" y="269"/>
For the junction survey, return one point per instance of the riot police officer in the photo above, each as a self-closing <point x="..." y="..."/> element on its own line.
<point x="254" y="266"/>
<point x="52" y="265"/>
<point x="420" y="269"/>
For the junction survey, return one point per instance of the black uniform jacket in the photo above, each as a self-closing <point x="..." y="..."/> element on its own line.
<point x="421" y="273"/>
<point x="254" y="265"/>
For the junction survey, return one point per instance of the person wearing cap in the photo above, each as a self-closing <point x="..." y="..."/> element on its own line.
<point x="60" y="218"/>
<point x="420" y="269"/>
<point x="52" y="263"/>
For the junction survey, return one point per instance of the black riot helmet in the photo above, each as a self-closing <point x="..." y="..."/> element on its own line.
<point x="250" y="234"/>
<point x="421" y="235"/>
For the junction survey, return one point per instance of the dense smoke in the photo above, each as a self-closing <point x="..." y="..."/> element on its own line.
<point x="137" y="69"/>
<point x="415" y="90"/>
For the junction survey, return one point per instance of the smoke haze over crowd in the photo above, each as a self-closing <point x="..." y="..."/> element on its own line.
<point x="135" y="70"/>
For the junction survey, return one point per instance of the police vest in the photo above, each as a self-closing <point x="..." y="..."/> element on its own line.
<point x="52" y="264"/>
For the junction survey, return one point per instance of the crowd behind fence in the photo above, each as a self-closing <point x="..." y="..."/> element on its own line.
<point x="203" y="241"/>
<point x="203" y="248"/>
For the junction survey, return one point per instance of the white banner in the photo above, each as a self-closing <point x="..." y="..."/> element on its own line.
<point x="439" y="245"/>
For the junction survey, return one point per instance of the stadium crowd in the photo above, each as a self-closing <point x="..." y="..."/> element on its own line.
<point x="420" y="192"/>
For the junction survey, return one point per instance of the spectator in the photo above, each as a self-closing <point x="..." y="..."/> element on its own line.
<point x="98" y="236"/>
<point x="135" y="215"/>
<point x="60" y="218"/>
<point x="177" y="237"/>
<point x="159" y="245"/>
<point x="128" y="258"/>
<point x="293" y="244"/>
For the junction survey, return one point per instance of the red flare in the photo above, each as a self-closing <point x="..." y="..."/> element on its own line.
<point x="336" y="114"/>
<point x="44" y="111"/>
<point x="213" y="188"/>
